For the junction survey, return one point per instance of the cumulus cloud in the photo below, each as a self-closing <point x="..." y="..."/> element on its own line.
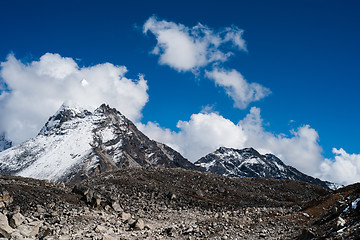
<point x="237" y="87"/>
<point x="299" y="149"/>
<point x="207" y="131"/>
<point x="37" y="90"/>
<point x="186" y="49"/>
<point x="343" y="169"/>
<point x="202" y="134"/>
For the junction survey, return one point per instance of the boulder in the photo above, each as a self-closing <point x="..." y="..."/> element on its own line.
<point x="16" y="220"/>
<point x="31" y="229"/>
<point x="100" y="229"/>
<point x="5" y="229"/>
<point x="5" y="199"/>
<point x="138" y="224"/>
<point x="89" y="195"/>
<point x="16" y="235"/>
<point x="116" y="206"/>
<point x="125" y="216"/>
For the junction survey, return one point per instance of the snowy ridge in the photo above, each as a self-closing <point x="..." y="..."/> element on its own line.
<point x="76" y="143"/>
<point x="248" y="162"/>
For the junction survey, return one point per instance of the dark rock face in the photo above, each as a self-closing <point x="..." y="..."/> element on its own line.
<point x="4" y="143"/>
<point x="75" y="144"/>
<point x="250" y="163"/>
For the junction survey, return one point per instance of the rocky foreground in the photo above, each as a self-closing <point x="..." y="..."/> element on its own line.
<point x="158" y="203"/>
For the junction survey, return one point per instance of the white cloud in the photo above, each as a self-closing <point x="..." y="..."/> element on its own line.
<point x="187" y="49"/>
<point x="202" y="134"/>
<point x="343" y="169"/>
<point x="39" y="88"/>
<point x="301" y="149"/>
<point x="163" y="135"/>
<point x="237" y="87"/>
<point x="205" y="132"/>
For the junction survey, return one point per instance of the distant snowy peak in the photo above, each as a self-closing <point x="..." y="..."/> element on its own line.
<point x="248" y="162"/>
<point x="76" y="143"/>
<point x="4" y="143"/>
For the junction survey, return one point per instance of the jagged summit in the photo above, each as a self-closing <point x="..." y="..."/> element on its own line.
<point x="248" y="162"/>
<point x="64" y="114"/>
<point x="76" y="143"/>
<point x="246" y="152"/>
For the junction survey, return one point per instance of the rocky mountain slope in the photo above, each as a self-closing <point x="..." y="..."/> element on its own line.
<point x="159" y="203"/>
<point x="4" y="143"/>
<point x="75" y="144"/>
<point x="250" y="163"/>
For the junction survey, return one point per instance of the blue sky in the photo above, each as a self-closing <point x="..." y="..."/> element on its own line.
<point x="305" y="52"/>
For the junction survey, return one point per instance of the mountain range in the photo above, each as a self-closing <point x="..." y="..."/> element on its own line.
<point x="75" y="144"/>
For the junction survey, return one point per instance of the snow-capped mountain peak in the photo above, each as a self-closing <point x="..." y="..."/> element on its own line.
<point x="248" y="162"/>
<point x="76" y="143"/>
